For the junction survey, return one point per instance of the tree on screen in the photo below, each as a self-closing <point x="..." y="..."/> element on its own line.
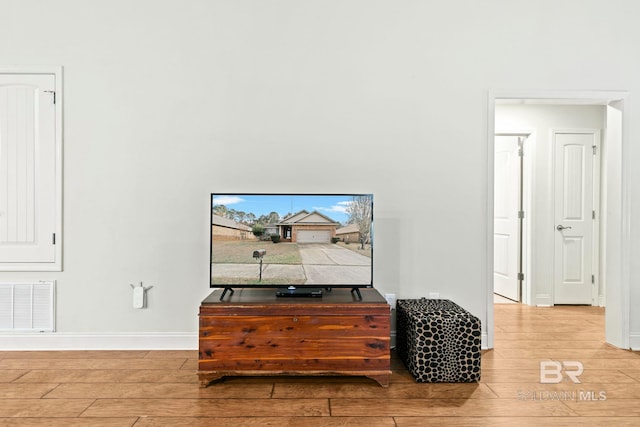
<point x="359" y="211"/>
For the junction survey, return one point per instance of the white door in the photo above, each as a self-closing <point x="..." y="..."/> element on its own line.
<point x="506" y="236"/>
<point x="28" y="172"/>
<point x="573" y="213"/>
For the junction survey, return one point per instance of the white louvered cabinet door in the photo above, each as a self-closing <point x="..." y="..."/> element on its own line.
<point x="28" y="175"/>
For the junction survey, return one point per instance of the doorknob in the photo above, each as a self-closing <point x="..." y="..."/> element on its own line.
<point x="561" y="227"/>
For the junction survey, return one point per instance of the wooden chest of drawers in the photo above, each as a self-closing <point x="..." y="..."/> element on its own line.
<point x="253" y="332"/>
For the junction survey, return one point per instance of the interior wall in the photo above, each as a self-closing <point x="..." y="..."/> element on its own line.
<point x="612" y="158"/>
<point x="166" y="101"/>
<point x="541" y="121"/>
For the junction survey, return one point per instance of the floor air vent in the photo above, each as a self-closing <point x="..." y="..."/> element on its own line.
<point x="27" y="307"/>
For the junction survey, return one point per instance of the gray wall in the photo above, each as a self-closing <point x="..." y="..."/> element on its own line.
<point x="161" y="99"/>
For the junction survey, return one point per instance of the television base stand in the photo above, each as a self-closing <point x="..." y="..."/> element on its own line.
<point x="303" y="292"/>
<point x="292" y="291"/>
<point x="224" y="292"/>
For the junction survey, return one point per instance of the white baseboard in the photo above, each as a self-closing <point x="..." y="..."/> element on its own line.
<point x="544" y="300"/>
<point x="121" y="341"/>
<point x="99" y="341"/>
<point x="602" y="301"/>
<point x="634" y="341"/>
<point x="485" y="340"/>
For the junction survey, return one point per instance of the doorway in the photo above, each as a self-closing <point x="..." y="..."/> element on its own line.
<point x="565" y="213"/>
<point x="614" y="217"/>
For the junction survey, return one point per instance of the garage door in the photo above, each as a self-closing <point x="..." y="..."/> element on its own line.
<point x="314" y="236"/>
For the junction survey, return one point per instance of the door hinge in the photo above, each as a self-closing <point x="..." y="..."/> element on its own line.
<point x="595" y="149"/>
<point x="520" y="214"/>
<point x="521" y="152"/>
<point x="54" y="239"/>
<point x="593" y="279"/>
<point x="53" y="92"/>
<point x="520" y="276"/>
<point x="593" y="214"/>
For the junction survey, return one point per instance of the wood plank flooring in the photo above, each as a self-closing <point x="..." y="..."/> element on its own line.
<point x="160" y="388"/>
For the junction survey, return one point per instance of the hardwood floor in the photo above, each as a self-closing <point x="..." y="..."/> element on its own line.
<point x="160" y="388"/>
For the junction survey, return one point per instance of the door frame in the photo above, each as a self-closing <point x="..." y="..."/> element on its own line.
<point x="617" y="222"/>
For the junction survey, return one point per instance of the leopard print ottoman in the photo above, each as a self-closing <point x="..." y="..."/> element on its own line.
<point x="438" y="341"/>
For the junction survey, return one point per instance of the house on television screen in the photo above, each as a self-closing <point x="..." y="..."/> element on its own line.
<point x="228" y="229"/>
<point x="349" y="234"/>
<point x="305" y="227"/>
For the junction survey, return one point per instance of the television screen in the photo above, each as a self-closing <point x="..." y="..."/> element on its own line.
<point x="291" y="240"/>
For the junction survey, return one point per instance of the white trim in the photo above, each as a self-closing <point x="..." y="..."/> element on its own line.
<point x="634" y="341"/>
<point x="99" y="341"/>
<point x="544" y="300"/>
<point x="31" y="69"/>
<point x="529" y="188"/>
<point x="625" y="258"/>
<point x="598" y="251"/>
<point x="622" y="267"/>
<point x="487" y="332"/>
<point x="597" y="204"/>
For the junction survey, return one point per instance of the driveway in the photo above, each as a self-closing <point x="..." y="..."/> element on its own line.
<point x="328" y="263"/>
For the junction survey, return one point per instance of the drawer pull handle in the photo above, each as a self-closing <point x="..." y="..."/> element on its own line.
<point x="295" y="319"/>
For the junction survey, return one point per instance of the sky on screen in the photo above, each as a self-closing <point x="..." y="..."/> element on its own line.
<point x="333" y="206"/>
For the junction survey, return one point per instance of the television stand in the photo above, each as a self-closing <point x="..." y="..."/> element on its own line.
<point x="255" y="333"/>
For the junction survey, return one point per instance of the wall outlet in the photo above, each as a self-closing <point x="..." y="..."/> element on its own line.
<point x="434" y="295"/>
<point x="391" y="299"/>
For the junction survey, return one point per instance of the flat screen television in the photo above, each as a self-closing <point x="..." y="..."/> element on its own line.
<point x="298" y="244"/>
